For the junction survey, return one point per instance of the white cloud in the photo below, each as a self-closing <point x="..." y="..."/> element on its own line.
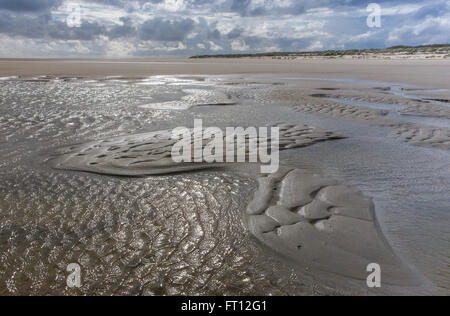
<point x="430" y="31"/>
<point x="125" y="28"/>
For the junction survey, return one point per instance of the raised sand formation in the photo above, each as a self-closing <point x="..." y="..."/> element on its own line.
<point x="412" y="133"/>
<point x="339" y="110"/>
<point x="151" y="153"/>
<point x="377" y="106"/>
<point x="321" y="225"/>
<point x="408" y="106"/>
<point x="427" y="136"/>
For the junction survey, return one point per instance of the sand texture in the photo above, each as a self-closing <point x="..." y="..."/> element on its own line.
<point x="320" y="224"/>
<point x="151" y="153"/>
<point x="406" y="117"/>
<point x="433" y="73"/>
<point x="88" y="176"/>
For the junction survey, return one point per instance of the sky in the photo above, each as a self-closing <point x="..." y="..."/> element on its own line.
<point x="182" y="28"/>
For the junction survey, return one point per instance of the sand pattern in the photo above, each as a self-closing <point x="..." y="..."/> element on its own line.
<point x="409" y="106"/>
<point x="427" y="110"/>
<point x="314" y="221"/>
<point x="411" y="133"/>
<point x="311" y="219"/>
<point x="151" y="153"/>
<point x="339" y="110"/>
<point x="320" y="224"/>
<point x="158" y="236"/>
<point x="318" y="101"/>
<point x="370" y="106"/>
<point x="424" y="136"/>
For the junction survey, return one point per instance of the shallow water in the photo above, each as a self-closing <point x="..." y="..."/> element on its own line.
<point x="176" y="235"/>
<point x="393" y="112"/>
<point x="183" y="234"/>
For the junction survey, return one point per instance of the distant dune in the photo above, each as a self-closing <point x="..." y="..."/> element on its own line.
<point x="396" y="52"/>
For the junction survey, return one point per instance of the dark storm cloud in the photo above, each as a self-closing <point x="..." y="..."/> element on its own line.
<point x="240" y="5"/>
<point x="28" y="5"/>
<point x="127" y="30"/>
<point x="159" y="29"/>
<point x="214" y="34"/>
<point x="432" y="10"/>
<point x="44" y="27"/>
<point x="235" y="33"/>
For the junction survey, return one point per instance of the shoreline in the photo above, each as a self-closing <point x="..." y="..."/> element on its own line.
<point x="425" y="73"/>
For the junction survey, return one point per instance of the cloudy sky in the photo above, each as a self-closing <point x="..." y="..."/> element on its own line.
<point x="180" y="28"/>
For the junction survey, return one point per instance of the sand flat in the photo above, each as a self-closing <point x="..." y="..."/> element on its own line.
<point x="425" y="73"/>
<point x="317" y="216"/>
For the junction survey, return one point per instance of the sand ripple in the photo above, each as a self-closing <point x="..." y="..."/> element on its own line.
<point x="322" y="225"/>
<point x="151" y="153"/>
<point x="175" y="235"/>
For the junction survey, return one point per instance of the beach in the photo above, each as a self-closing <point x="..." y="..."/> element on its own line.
<point x="427" y="73"/>
<point x="87" y="177"/>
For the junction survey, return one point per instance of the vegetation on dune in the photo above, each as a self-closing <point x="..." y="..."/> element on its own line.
<point x="434" y="49"/>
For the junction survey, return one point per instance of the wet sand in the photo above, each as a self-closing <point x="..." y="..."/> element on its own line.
<point x="320" y="231"/>
<point x="426" y="73"/>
